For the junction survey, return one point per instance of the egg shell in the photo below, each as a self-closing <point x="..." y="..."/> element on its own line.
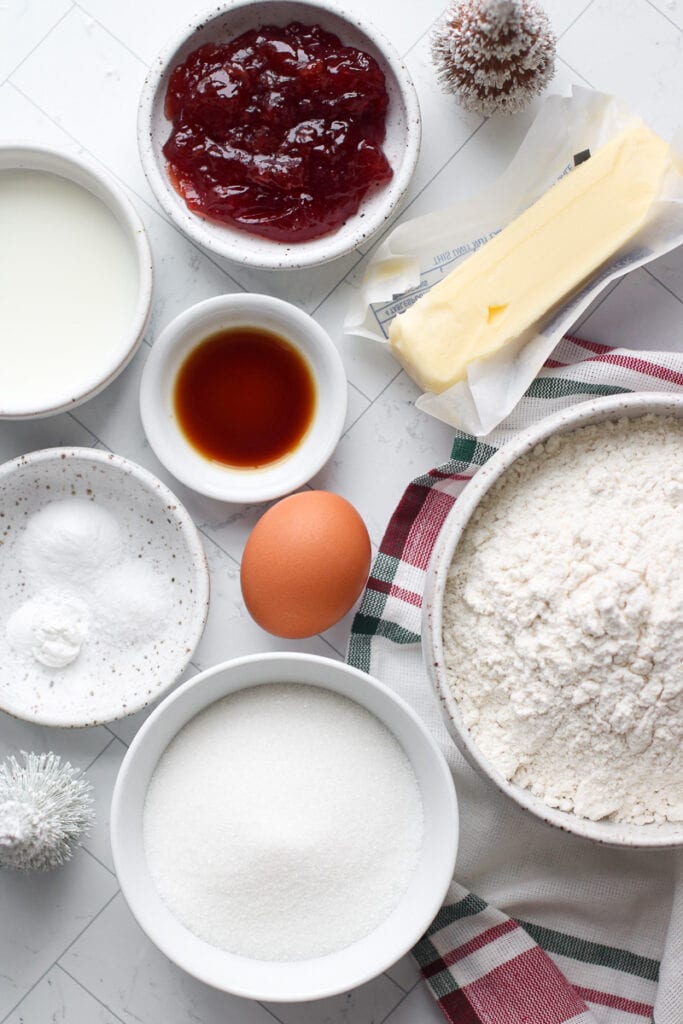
<point x="305" y="564"/>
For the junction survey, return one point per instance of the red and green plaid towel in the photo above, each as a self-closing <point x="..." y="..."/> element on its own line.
<point x="560" y="929"/>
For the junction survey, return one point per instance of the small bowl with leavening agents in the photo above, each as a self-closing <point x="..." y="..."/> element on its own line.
<point x="104" y="587"/>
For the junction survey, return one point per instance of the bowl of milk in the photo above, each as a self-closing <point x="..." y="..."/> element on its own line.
<point x="75" y="280"/>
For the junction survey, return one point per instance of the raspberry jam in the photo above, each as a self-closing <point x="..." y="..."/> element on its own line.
<point x="279" y="132"/>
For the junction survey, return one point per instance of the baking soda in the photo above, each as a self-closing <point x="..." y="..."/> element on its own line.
<point x="284" y="822"/>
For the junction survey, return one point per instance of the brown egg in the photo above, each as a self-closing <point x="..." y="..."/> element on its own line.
<point x="305" y="564"/>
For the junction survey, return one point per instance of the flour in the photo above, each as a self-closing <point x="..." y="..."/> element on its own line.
<point x="563" y="621"/>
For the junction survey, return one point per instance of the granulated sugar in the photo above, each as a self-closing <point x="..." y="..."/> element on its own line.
<point x="283" y="822"/>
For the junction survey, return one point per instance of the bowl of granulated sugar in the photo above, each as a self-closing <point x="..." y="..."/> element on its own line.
<point x="284" y="827"/>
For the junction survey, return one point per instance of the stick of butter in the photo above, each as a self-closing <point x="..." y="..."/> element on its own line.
<point x="500" y="292"/>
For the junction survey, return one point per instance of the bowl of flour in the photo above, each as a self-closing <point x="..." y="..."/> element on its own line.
<point x="104" y="587"/>
<point x="553" y="620"/>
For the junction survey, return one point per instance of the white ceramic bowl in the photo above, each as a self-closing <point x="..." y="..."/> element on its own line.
<point x="227" y="483"/>
<point x="30" y="156"/>
<point x="226" y="21"/>
<point x="612" y="407"/>
<point x="157" y="530"/>
<point x="305" y="979"/>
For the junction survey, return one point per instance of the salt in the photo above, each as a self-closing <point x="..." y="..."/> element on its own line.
<point x="283" y="823"/>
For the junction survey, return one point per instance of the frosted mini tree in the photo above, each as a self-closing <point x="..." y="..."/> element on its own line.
<point x="494" y="54"/>
<point x="45" y="809"/>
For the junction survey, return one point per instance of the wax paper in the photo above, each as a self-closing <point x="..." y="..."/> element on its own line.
<point x="420" y="252"/>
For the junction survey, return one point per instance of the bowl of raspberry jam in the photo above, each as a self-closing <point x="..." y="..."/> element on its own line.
<point x="279" y="135"/>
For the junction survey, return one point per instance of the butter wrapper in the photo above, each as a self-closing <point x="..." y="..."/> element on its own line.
<point x="419" y="253"/>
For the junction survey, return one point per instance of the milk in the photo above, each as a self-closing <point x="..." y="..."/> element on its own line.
<point x="68" y="290"/>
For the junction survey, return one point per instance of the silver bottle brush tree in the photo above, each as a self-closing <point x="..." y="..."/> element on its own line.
<point x="45" y="810"/>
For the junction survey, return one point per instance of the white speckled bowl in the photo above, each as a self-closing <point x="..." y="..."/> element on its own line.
<point x="87" y="174"/>
<point x="612" y="407"/>
<point x="283" y="981"/>
<point x="157" y="529"/>
<point x="402" y="143"/>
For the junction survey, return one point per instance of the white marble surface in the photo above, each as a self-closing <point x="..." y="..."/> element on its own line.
<point x="70" y="74"/>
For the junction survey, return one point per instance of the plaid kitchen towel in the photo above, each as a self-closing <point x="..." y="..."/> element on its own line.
<point x="540" y="927"/>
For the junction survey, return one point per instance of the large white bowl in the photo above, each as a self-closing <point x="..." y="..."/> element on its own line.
<point x="612" y="407"/>
<point x="157" y="530"/>
<point x="304" y="979"/>
<point x="229" y="483"/>
<point x="87" y="174"/>
<point x="226" y="21"/>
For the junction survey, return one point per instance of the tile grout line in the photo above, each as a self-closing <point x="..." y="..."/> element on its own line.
<point x="56" y="962"/>
<point x="664" y="286"/>
<point x="404" y="996"/>
<point x="39" y="43"/>
<point x="91" y="994"/>
<point x="98" y="440"/>
<point x="334" y="287"/>
<point x="599" y="299"/>
<point x="574" y="71"/>
<point x="82" y="425"/>
<point x="574" y="20"/>
<point x="220" y="547"/>
<point x="97" y="756"/>
<point x="159" y="213"/>
<point x="664" y="15"/>
<point x="588" y="315"/>
<point x="269" y="1011"/>
<point x="108" y="31"/>
<point x="98" y="861"/>
<point x="331" y="646"/>
<point x="371" y="402"/>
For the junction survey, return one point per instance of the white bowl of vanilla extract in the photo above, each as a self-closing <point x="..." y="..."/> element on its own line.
<point x="243" y="397"/>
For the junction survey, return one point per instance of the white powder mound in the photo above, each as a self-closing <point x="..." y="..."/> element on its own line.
<point x="50" y="628"/>
<point x="283" y="822"/>
<point x="130" y="601"/>
<point x="563" y="621"/>
<point x="70" y="540"/>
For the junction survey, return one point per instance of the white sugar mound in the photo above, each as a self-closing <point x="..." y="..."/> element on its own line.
<point x="283" y="822"/>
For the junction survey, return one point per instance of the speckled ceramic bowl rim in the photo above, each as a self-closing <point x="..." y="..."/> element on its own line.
<point x="315" y="978"/>
<point x="237" y="245"/>
<point x="172" y="507"/>
<point x="17" y="154"/>
<point x="594" y="411"/>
